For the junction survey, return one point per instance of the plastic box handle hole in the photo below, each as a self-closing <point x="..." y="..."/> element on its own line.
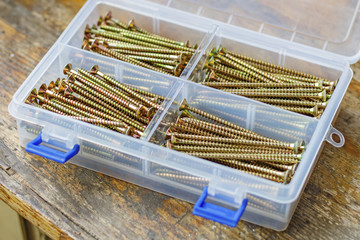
<point x="335" y="137"/>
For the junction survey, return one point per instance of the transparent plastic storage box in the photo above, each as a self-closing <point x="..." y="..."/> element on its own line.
<point x="317" y="37"/>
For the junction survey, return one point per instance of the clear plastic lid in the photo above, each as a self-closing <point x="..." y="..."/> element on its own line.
<point x="329" y="25"/>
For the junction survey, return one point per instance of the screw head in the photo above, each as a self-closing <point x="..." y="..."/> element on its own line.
<point x="131" y="23"/>
<point x="53" y="84"/>
<point x="173" y="139"/>
<point x="183" y="105"/>
<point x="183" y="58"/>
<point x="108" y="16"/>
<point x="42" y="89"/>
<point x="87" y="30"/>
<point x="186" y="113"/>
<point x="67" y="69"/>
<point x="323" y="95"/>
<point x="96" y="44"/>
<point x="94" y="69"/>
<point x="151" y="112"/>
<point x="286" y="176"/>
<point x="86" y="45"/>
<point x="31" y="99"/>
<point x="100" y="21"/>
<point x="212" y="52"/>
<point x="211" y="76"/>
<point x="302" y="145"/>
<point x="315" y="110"/>
<point x="292" y="170"/>
<point x="221" y="51"/>
<point x="141" y="111"/>
<point x="130" y="131"/>
<point x="68" y="91"/>
<point x="178" y="69"/>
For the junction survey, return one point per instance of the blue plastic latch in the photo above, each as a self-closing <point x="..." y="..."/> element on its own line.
<point x="52" y="154"/>
<point x="218" y="213"/>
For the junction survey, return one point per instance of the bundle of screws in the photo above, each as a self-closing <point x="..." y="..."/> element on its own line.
<point x="129" y="43"/>
<point x="266" y="82"/>
<point x="95" y="97"/>
<point x="204" y="135"/>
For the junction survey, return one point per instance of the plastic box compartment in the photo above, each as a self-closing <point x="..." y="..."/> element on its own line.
<point x="144" y="161"/>
<point x="155" y="20"/>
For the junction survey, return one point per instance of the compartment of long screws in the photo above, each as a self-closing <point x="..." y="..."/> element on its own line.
<point x="130" y="43"/>
<point x="204" y="135"/>
<point x="97" y="98"/>
<point x="266" y="82"/>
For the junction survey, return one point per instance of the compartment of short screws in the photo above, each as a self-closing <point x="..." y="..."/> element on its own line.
<point x="95" y="97"/>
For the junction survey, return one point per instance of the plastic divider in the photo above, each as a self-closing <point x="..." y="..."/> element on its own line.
<point x="189" y="69"/>
<point x="158" y="117"/>
<point x="191" y="66"/>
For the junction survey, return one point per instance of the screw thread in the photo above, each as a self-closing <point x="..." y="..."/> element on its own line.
<point x="224" y="122"/>
<point x="154" y="60"/>
<point x="100" y="83"/>
<point x="286" y="102"/>
<point x="210" y="128"/>
<point x="123" y="39"/>
<point x="100" y="121"/>
<point x="110" y="95"/>
<point x="137" y="48"/>
<point x="128" y="90"/>
<point x="231" y="74"/>
<point x="130" y="60"/>
<point x="254" y="69"/>
<point x="68" y="108"/>
<point x="310" y="111"/>
<point x="136" y="54"/>
<point x="103" y="106"/>
<point x="146" y="51"/>
<point x="225" y="131"/>
<point x="299" y="85"/>
<point x="188" y="129"/>
<point x="144" y="38"/>
<point x="214" y="141"/>
<point x="263" y="63"/>
<point x="274" y="94"/>
<point x="81" y="106"/>
<point x="279" y="157"/>
<point x="145" y="93"/>
<point x="155" y="37"/>
<point x="234" y="64"/>
<point x="102" y="97"/>
<point x="258" y="168"/>
<point x="233" y="149"/>
<point x="283" y="167"/>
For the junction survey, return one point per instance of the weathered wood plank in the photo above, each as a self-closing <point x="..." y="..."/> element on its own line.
<point x="69" y="201"/>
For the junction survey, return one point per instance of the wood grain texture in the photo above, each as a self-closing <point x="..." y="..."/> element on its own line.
<point x="72" y="202"/>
